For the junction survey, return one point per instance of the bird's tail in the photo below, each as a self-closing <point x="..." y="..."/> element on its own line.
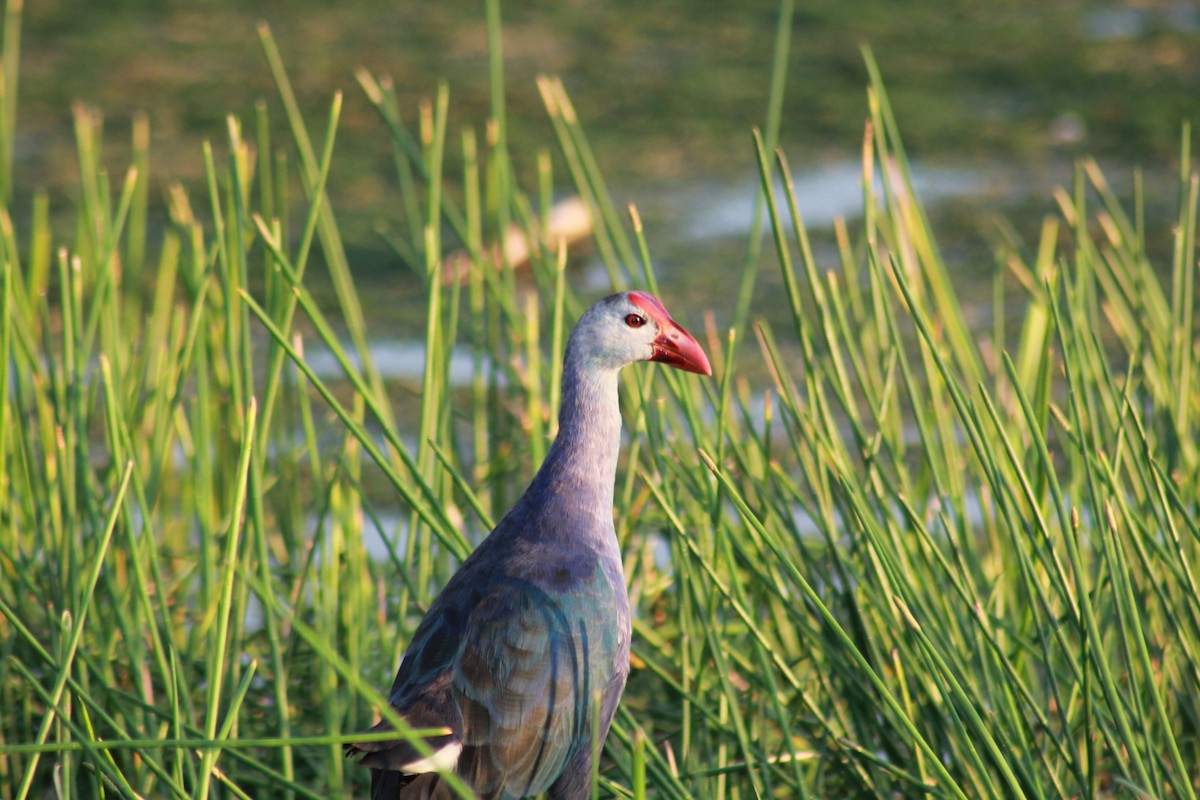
<point x="398" y="772"/>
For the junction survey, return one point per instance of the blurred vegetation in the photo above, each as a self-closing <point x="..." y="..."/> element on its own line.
<point x="667" y="90"/>
<point x="920" y="556"/>
<point x="682" y="80"/>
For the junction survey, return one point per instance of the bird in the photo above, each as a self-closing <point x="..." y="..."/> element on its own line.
<point x="523" y="655"/>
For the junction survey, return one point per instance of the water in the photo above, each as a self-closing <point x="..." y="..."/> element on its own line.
<point x="396" y="359"/>
<point x="1123" y="22"/>
<point x="823" y="194"/>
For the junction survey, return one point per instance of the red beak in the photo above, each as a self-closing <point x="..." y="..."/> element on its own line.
<point x="674" y="345"/>
<point x="677" y="347"/>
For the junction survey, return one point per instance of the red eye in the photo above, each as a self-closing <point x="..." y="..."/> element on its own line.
<point x="634" y="321"/>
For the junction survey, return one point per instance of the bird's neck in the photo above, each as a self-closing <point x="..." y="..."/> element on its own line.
<point x="581" y="465"/>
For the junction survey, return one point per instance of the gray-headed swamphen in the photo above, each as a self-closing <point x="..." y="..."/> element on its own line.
<point x="529" y="640"/>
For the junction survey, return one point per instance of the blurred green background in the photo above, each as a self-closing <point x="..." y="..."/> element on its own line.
<point x="995" y="100"/>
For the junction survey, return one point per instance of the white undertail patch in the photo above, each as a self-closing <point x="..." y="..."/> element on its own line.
<point x="443" y="758"/>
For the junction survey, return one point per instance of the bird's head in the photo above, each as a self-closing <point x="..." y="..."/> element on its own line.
<point x="628" y="327"/>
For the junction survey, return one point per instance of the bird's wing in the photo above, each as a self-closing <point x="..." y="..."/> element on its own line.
<point x="423" y="696"/>
<point x="511" y="667"/>
<point x="522" y="682"/>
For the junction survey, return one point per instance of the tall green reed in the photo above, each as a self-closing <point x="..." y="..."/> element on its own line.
<point x="913" y="564"/>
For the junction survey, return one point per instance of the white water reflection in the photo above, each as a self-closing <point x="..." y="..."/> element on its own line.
<point x="1124" y="22"/>
<point x="396" y="359"/>
<point x="823" y="195"/>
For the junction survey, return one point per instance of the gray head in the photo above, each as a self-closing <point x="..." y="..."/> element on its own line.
<point x="628" y="327"/>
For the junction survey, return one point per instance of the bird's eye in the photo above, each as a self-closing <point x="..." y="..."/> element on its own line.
<point x="634" y="320"/>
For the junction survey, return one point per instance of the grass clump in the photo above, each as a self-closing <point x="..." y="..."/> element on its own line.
<point x="921" y="559"/>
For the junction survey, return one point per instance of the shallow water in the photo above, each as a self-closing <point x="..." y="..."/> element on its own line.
<point x="823" y="194"/>
<point x="1118" y="21"/>
<point x="395" y="359"/>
